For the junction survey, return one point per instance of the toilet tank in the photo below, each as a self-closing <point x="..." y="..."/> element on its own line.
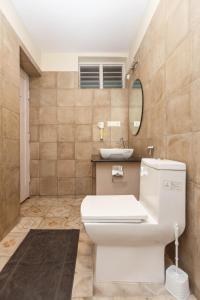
<point x="163" y="189"/>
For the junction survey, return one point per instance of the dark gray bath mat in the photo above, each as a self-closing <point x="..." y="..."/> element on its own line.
<point x="42" y="268"/>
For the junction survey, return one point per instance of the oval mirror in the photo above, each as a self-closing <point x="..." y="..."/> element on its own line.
<point x="135" y="106"/>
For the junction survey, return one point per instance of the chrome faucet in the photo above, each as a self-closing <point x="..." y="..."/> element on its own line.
<point x="122" y="141"/>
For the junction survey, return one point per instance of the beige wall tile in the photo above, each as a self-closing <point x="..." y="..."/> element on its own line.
<point x="66" y="168"/>
<point x="35" y="82"/>
<point x="48" y="151"/>
<point x="66" y="151"/>
<point x="195" y="104"/>
<point x="34" y="150"/>
<point x="48" y="186"/>
<point x="65" y="97"/>
<point x="48" y="115"/>
<point x="179" y="113"/>
<point x="34" y="168"/>
<point x="157" y="120"/>
<point x="10" y="153"/>
<point x="119" y="97"/>
<point x="196" y="148"/>
<point x="10" y="96"/>
<point x="34" y="116"/>
<point x="158" y="55"/>
<point x="84" y="186"/>
<point x="83" y="151"/>
<point x="34" y="186"/>
<point x="83" y="115"/>
<point x="195" y="46"/>
<point x="171" y="6"/>
<point x="67" y="80"/>
<point x="177" y="25"/>
<point x="48" y="168"/>
<point x="48" y="97"/>
<point x="66" y="186"/>
<point x="119" y="114"/>
<point x="65" y="115"/>
<point x="83" y="133"/>
<point x="83" y="97"/>
<point x="83" y="168"/>
<point x="191" y="205"/>
<point x="66" y="133"/>
<point x="48" y="133"/>
<point x="101" y="114"/>
<point x="178" y="67"/>
<point x="101" y="97"/>
<point x="11" y="185"/>
<point x="10" y="124"/>
<point x="192" y="216"/>
<point x="11" y="196"/>
<point x="34" y="133"/>
<point x="179" y="147"/>
<point x="119" y="132"/>
<point x="35" y="97"/>
<point x="48" y="80"/>
<point x="157" y="87"/>
<point x="194" y="14"/>
<point x="0" y="121"/>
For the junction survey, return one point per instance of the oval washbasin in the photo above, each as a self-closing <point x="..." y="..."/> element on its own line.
<point x="116" y="153"/>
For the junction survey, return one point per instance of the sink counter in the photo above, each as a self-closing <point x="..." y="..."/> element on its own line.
<point x="98" y="159"/>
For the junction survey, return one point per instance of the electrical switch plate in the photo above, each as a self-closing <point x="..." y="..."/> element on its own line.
<point x="113" y="123"/>
<point x="136" y="123"/>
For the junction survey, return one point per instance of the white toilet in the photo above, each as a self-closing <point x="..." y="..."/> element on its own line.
<point x="131" y="235"/>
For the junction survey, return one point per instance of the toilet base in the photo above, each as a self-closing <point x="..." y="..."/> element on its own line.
<point x="130" y="264"/>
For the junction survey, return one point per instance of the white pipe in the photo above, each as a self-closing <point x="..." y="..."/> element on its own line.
<point x="176" y="231"/>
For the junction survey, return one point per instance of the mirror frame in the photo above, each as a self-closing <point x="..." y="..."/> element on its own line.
<point x="142" y="105"/>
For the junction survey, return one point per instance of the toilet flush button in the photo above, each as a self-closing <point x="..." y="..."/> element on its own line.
<point x="167" y="185"/>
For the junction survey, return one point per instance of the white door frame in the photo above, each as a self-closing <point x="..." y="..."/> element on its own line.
<point x="24" y="137"/>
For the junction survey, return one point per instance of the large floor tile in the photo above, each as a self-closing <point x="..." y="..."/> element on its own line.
<point x="10" y="243"/>
<point x="27" y="223"/>
<point x="54" y="223"/>
<point x="59" y="211"/>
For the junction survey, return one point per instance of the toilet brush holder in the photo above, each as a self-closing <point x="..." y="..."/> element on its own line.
<point x="177" y="283"/>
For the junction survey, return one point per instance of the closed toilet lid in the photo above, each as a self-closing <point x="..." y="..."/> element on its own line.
<point x="117" y="208"/>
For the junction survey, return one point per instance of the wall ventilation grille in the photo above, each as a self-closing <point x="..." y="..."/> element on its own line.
<point x="100" y="76"/>
<point x="89" y="77"/>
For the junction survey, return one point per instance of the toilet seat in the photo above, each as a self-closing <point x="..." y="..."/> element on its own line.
<point x="112" y="209"/>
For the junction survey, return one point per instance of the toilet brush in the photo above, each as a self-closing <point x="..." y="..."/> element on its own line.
<point x="177" y="282"/>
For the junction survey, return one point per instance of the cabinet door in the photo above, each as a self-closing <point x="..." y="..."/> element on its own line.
<point x="128" y="184"/>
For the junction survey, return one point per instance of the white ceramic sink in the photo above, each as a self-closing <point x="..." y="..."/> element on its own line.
<point x="116" y="153"/>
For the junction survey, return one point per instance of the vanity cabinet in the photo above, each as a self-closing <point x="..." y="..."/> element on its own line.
<point x="109" y="182"/>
